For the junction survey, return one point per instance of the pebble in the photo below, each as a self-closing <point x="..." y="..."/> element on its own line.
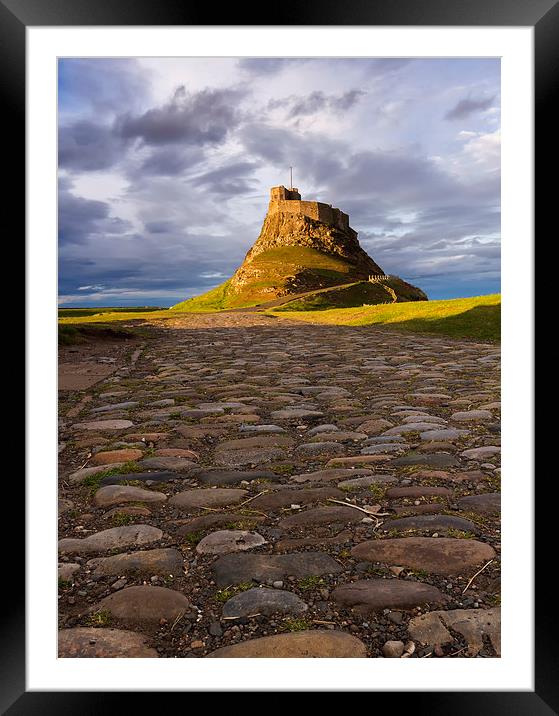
<point x="238" y="568"/>
<point x="432" y="628"/>
<point x="393" y="649"/>
<point x="302" y="644"/>
<point x="118" y="494"/>
<point x="327" y="475"/>
<point x="80" y="475"/>
<point x="471" y="416"/>
<point x="445" y="555"/>
<point x="443" y="434"/>
<point x="89" y="642"/>
<point x="481" y="452"/>
<point x="114" y="538"/>
<point x="226" y="541"/>
<point x="163" y="561"/>
<point x="144" y="605"/>
<point x="103" y="425"/>
<point x="218" y="497"/>
<point x="488" y="503"/>
<point x="373" y="595"/>
<point x="264" y="601"/>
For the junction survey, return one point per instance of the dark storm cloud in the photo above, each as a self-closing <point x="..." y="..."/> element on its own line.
<point x="230" y="180"/>
<point x="156" y="264"/>
<point x="204" y="117"/>
<point x="79" y="219"/>
<point x="160" y="227"/>
<point x="314" y="157"/>
<point x="191" y="120"/>
<point x="317" y="102"/>
<point x="465" y="107"/>
<point x="88" y="146"/>
<point x="412" y="179"/>
<point x="397" y="177"/>
<point x="461" y="219"/>
<point x="165" y="161"/>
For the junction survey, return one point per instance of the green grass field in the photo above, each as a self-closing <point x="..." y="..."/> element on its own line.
<point x="101" y="310"/>
<point x="478" y="317"/>
<point x="115" y="315"/>
<point x="69" y="335"/>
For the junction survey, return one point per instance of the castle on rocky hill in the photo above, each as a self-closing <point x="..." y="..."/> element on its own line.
<point x="303" y="247"/>
<point x="289" y="201"/>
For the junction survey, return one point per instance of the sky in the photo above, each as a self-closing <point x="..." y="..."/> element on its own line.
<point x="165" y="167"/>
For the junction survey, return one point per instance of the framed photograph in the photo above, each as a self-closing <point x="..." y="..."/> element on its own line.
<point x="265" y="261"/>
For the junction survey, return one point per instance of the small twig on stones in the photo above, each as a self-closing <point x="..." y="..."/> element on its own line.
<point x="177" y="620"/>
<point x="320" y="621"/>
<point x="367" y="511"/>
<point x="250" y="499"/>
<point x="86" y="461"/>
<point x="457" y="652"/>
<point x="475" y="575"/>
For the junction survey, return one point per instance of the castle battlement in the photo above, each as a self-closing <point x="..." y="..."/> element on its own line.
<point x="289" y="201"/>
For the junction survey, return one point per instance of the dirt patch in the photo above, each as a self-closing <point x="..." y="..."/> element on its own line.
<point x="81" y="366"/>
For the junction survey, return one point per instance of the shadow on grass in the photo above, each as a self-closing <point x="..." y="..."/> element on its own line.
<point x="481" y="322"/>
<point x="92" y="332"/>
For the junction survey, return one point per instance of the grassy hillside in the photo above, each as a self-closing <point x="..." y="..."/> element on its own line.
<point x="271" y="270"/>
<point x="478" y="317"/>
<point x="302" y="256"/>
<point x="353" y="295"/>
<point x="295" y="268"/>
<point x="213" y="300"/>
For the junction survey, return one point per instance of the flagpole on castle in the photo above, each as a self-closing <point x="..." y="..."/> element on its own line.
<point x="291" y="178"/>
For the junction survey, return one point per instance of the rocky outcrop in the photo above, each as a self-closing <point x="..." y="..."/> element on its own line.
<point x="288" y="230"/>
<point x="304" y="246"/>
<point x="296" y="253"/>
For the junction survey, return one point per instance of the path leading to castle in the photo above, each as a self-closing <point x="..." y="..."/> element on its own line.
<point x="243" y="485"/>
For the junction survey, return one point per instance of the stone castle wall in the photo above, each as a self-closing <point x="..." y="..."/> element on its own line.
<point x="289" y="201"/>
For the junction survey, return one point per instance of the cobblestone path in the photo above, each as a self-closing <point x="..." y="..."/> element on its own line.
<point x="243" y="485"/>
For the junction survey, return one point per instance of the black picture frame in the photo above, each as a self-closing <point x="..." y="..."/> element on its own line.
<point x="543" y="16"/>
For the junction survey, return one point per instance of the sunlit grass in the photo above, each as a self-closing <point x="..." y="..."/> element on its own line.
<point x="116" y="316"/>
<point x="478" y="317"/>
<point x="100" y="310"/>
<point x="213" y="300"/>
